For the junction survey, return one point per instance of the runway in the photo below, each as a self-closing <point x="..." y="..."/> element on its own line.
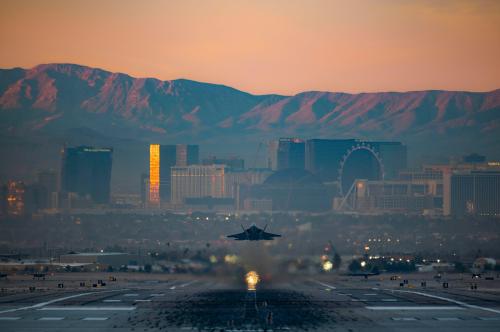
<point x="212" y="304"/>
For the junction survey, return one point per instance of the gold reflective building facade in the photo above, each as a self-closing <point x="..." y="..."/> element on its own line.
<point x="154" y="174"/>
<point x="161" y="160"/>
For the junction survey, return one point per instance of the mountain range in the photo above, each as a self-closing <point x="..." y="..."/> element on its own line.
<point x="50" y="105"/>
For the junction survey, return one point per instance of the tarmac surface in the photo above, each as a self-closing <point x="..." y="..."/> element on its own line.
<point x="184" y="303"/>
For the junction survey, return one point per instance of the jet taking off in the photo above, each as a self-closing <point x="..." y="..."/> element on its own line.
<point x="254" y="233"/>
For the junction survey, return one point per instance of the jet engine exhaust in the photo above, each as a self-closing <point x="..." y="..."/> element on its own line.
<point x="252" y="279"/>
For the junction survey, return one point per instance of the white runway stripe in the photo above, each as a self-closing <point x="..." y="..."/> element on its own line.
<point x="463" y="304"/>
<point x="10" y="318"/>
<point x="324" y="284"/>
<point x="111" y="301"/>
<point x="414" y="308"/>
<point x="51" y="318"/>
<point x="404" y="319"/>
<point x="86" y="308"/>
<point x="43" y="304"/>
<point x="183" y="285"/>
<point x="95" y="318"/>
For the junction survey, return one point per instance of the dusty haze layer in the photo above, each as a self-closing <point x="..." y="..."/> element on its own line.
<point x="45" y="107"/>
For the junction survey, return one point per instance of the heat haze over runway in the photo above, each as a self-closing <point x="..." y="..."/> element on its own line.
<point x="333" y="303"/>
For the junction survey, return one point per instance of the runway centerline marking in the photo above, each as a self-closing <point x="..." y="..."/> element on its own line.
<point x="43" y="304"/>
<point x="95" y="318"/>
<point x="324" y="284"/>
<point x="51" y="318"/>
<point x="183" y="285"/>
<point x="111" y="301"/>
<point x="463" y="304"/>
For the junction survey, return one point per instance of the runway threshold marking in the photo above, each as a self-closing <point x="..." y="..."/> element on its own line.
<point x="463" y="304"/>
<point x="324" y="284"/>
<point x="43" y="304"/>
<point x="489" y="318"/>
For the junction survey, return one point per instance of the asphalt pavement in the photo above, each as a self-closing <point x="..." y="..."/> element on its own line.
<point x="214" y="304"/>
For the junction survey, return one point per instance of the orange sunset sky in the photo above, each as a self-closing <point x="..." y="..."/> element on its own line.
<point x="280" y="46"/>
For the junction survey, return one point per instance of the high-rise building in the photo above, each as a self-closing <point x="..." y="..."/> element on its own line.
<point x="186" y="155"/>
<point x="47" y="180"/>
<point x="86" y="171"/>
<point x="197" y="181"/>
<point x="144" y="189"/>
<point x="272" y="155"/>
<point x="3" y="200"/>
<point x="345" y="160"/>
<point x="393" y="156"/>
<point x="323" y="156"/>
<point x="16" y="198"/>
<point x="291" y="153"/>
<point x="161" y="159"/>
<point x="474" y="193"/>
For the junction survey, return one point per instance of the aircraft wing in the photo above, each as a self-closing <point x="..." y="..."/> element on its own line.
<point x="268" y="236"/>
<point x="239" y="236"/>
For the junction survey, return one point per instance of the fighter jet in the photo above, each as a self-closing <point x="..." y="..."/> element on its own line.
<point x="254" y="233"/>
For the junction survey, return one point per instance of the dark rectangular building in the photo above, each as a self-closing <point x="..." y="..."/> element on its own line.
<point x="86" y="171"/>
<point x="323" y="156"/>
<point x="291" y="153"/>
<point x="393" y="156"/>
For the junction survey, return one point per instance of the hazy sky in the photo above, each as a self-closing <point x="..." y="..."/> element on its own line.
<point x="266" y="46"/>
